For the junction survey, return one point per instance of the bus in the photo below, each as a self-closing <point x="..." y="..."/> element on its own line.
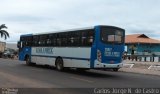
<point x="97" y="47"/>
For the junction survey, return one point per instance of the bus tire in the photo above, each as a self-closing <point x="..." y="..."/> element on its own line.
<point x="28" y="60"/>
<point x="59" y="64"/>
<point x="115" y="69"/>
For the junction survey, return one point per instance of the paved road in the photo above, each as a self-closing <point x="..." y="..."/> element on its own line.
<point x="15" y="74"/>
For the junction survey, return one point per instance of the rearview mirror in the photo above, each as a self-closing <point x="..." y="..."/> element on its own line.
<point x="18" y="44"/>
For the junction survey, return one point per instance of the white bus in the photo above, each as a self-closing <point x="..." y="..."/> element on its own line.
<point x="88" y="48"/>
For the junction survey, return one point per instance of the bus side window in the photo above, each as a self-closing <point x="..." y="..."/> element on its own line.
<point x="70" y="40"/>
<point x="29" y="41"/>
<point x="23" y="44"/>
<point x="77" y="39"/>
<point x="84" y="38"/>
<point x="87" y="37"/>
<point x="49" y="41"/>
<point x="35" y="41"/>
<point x="39" y="41"/>
<point x="45" y="38"/>
<point x="54" y="40"/>
<point x="58" y="40"/>
<point x="42" y="40"/>
<point x="64" y="39"/>
<point x="74" y="39"/>
<point x="90" y="37"/>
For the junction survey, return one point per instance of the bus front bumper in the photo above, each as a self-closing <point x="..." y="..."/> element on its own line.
<point x="98" y="64"/>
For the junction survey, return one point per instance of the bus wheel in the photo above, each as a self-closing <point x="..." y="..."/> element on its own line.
<point x="115" y="69"/>
<point x="59" y="64"/>
<point x="28" y="61"/>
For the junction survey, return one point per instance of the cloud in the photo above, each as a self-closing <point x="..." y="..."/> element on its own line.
<point x="32" y="16"/>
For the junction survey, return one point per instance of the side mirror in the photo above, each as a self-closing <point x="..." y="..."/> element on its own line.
<point x="18" y="44"/>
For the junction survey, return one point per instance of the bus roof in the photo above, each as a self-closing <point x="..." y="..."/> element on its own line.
<point x="26" y="35"/>
<point x="70" y="30"/>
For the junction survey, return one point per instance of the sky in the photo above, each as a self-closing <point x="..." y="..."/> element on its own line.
<point x="35" y="16"/>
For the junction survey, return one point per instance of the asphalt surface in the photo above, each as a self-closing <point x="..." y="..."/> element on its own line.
<point x="15" y="74"/>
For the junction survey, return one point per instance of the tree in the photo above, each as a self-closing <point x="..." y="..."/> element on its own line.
<point x="4" y="33"/>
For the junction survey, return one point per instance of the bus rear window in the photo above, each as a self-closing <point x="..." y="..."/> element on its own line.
<point x="112" y="35"/>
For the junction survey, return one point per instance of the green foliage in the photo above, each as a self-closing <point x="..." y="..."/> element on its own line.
<point x="4" y="33"/>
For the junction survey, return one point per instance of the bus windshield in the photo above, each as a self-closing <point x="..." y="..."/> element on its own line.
<point x="112" y="35"/>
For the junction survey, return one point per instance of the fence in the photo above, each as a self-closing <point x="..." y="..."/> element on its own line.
<point x="143" y="58"/>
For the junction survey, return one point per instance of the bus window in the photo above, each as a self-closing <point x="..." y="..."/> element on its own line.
<point x="70" y="39"/>
<point x="18" y="44"/>
<point x="90" y="37"/>
<point x="84" y="39"/>
<point x="26" y="41"/>
<point x="54" y="42"/>
<point x="53" y="39"/>
<point x="48" y="41"/>
<point x="35" y="40"/>
<point x="58" y="41"/>
<point x="64" y="39"/>
<point x="110" y="38"/>
<point x="76" y="38"/>
<point x="29" y="41"/>
<point x="87" y="37"/>
<point x="112" y="35"/>
<point x="42" y="40"/>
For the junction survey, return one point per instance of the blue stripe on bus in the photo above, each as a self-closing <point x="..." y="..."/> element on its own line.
<point x="77" y="58"/>
<point x="94" y="46"/>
